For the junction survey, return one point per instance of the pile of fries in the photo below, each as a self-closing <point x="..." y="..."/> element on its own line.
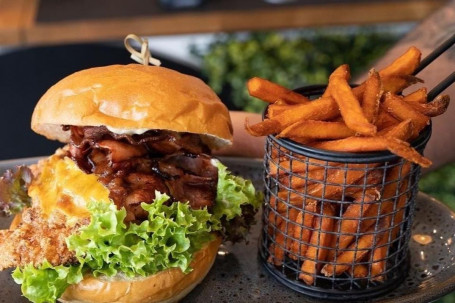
<point x="369" y="117"/>
<point x="337" y="218"/>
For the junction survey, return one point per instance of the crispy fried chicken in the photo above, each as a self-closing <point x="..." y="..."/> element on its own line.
<point x="37" y="239"/>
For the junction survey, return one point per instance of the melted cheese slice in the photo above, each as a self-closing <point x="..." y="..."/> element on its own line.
<point x="62" y="185"/>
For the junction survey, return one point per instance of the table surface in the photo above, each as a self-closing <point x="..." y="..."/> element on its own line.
<point x="239" y="276"/>
<point x="31" y="22"/>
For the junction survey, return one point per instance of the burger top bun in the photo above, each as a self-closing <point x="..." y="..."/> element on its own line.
<point x="166" y="286"/>
<point x="131" y="99"/>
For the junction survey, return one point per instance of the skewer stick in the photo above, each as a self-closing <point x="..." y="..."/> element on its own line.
<point x="435" y="54"/>
<point x="449" y="80"/>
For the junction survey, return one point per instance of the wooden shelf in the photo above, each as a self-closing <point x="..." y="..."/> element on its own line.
<point x="19" y="23"/>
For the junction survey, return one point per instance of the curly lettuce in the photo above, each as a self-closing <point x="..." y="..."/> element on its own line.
<point x="46" y="283"/>
<point x="13" y="191"/>
<point x="167" y="239"/>
<point x="236" y="204"/>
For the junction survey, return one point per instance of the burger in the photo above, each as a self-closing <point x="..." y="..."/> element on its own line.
<point x="133" y="207"/>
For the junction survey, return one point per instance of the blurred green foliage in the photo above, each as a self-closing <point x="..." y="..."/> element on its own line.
<point x="292" y="60"/>
<point x="441" y="185"/>
<point x="450" y="298"/>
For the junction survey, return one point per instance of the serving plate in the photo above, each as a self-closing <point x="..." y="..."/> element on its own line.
<point x="239" y="276"/>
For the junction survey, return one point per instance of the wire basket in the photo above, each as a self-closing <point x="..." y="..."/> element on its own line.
<point x="337" y="225"/>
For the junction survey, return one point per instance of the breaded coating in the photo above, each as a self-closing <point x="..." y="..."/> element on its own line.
<point x="37" y="239"/>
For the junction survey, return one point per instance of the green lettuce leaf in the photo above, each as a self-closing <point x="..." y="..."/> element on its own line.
<point x="13" y="191"/>
<point x="46" y="283"/>
<point x="236" y="204"/>
<point x="167" y="239"/>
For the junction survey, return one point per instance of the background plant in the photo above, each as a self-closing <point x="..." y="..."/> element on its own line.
<point x="292" y="59"/>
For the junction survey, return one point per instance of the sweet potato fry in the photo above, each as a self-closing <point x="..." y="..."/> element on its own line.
<point x="402" y="131"/>
<point x="298" y="181"/>
<point x="357" y="251"/>
<point x="332" y="174"/>
<point x="275" y="109"/>
<point x="282" y="238"/>
<point x="403" y="110"/>
<point x="299" y="166"/>
<point x="373" y="178"/>
<point x="296" y="200"/>
<point x="385" y="119"/>
<point x="349" y="105"/>
<point x="434" y="108"/>
<point x="326" y="93"/>
<point x="301" y="140"/>
<point x="400" y="206"/>
<point x="263" y="128"/>
<point x="277" y="205"/>
<point x="331" y="190"/>
<point x="366" y="144"/>
<point x="277" y="249"/>
<point x="397" y="83"/>
<point x="359" y="91"/>
<point x="291" y="225"/>
<point x="352" y="217"/>
<point x="319" y="238"/>
<point x="379" y="255"/>
<point x="419" y="96"/>
<point x="404" y="150"/>
<point x="319" y="109"/>
<point x="403" y="65"/>
<point x="396" y="204"/>
<point x="276" y="152"/>
<point x="380" y="252"/>
<point x="336" y="181"/>
<point x="362" y="196"/>
<point x="317" y="130"/>
<point x="372" y="96"/>
<point x="337" y="119"/>
<point x="378" y="259"/>
<point x="280" y="102"/>
<point x="274" y="219"/>
<point x="359" y="271"/>
<point x="344" y="73"/>
<point x="270" y="92"/>
<point x="390" y="191"/>
<point x="353" y="144"/>
<point x="273" y="166"/>
<point x="394" y="175"/>
<point x="302" y="231"/>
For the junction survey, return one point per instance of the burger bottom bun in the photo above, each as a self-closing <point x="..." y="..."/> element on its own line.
<point x="169" y="285"/>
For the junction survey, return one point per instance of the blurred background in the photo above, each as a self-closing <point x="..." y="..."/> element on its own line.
<point x="224" y="42"/>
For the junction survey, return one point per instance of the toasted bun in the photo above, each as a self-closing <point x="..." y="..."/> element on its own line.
<point x="167" y="286"/>
<point x="132" y="99"/>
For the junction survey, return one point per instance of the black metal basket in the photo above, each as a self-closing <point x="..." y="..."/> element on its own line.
<point x="337" y="225"/>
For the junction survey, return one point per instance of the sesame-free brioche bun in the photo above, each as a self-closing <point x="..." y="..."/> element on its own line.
<point x="166" y="286"/>
<point x="132" y="99"/>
